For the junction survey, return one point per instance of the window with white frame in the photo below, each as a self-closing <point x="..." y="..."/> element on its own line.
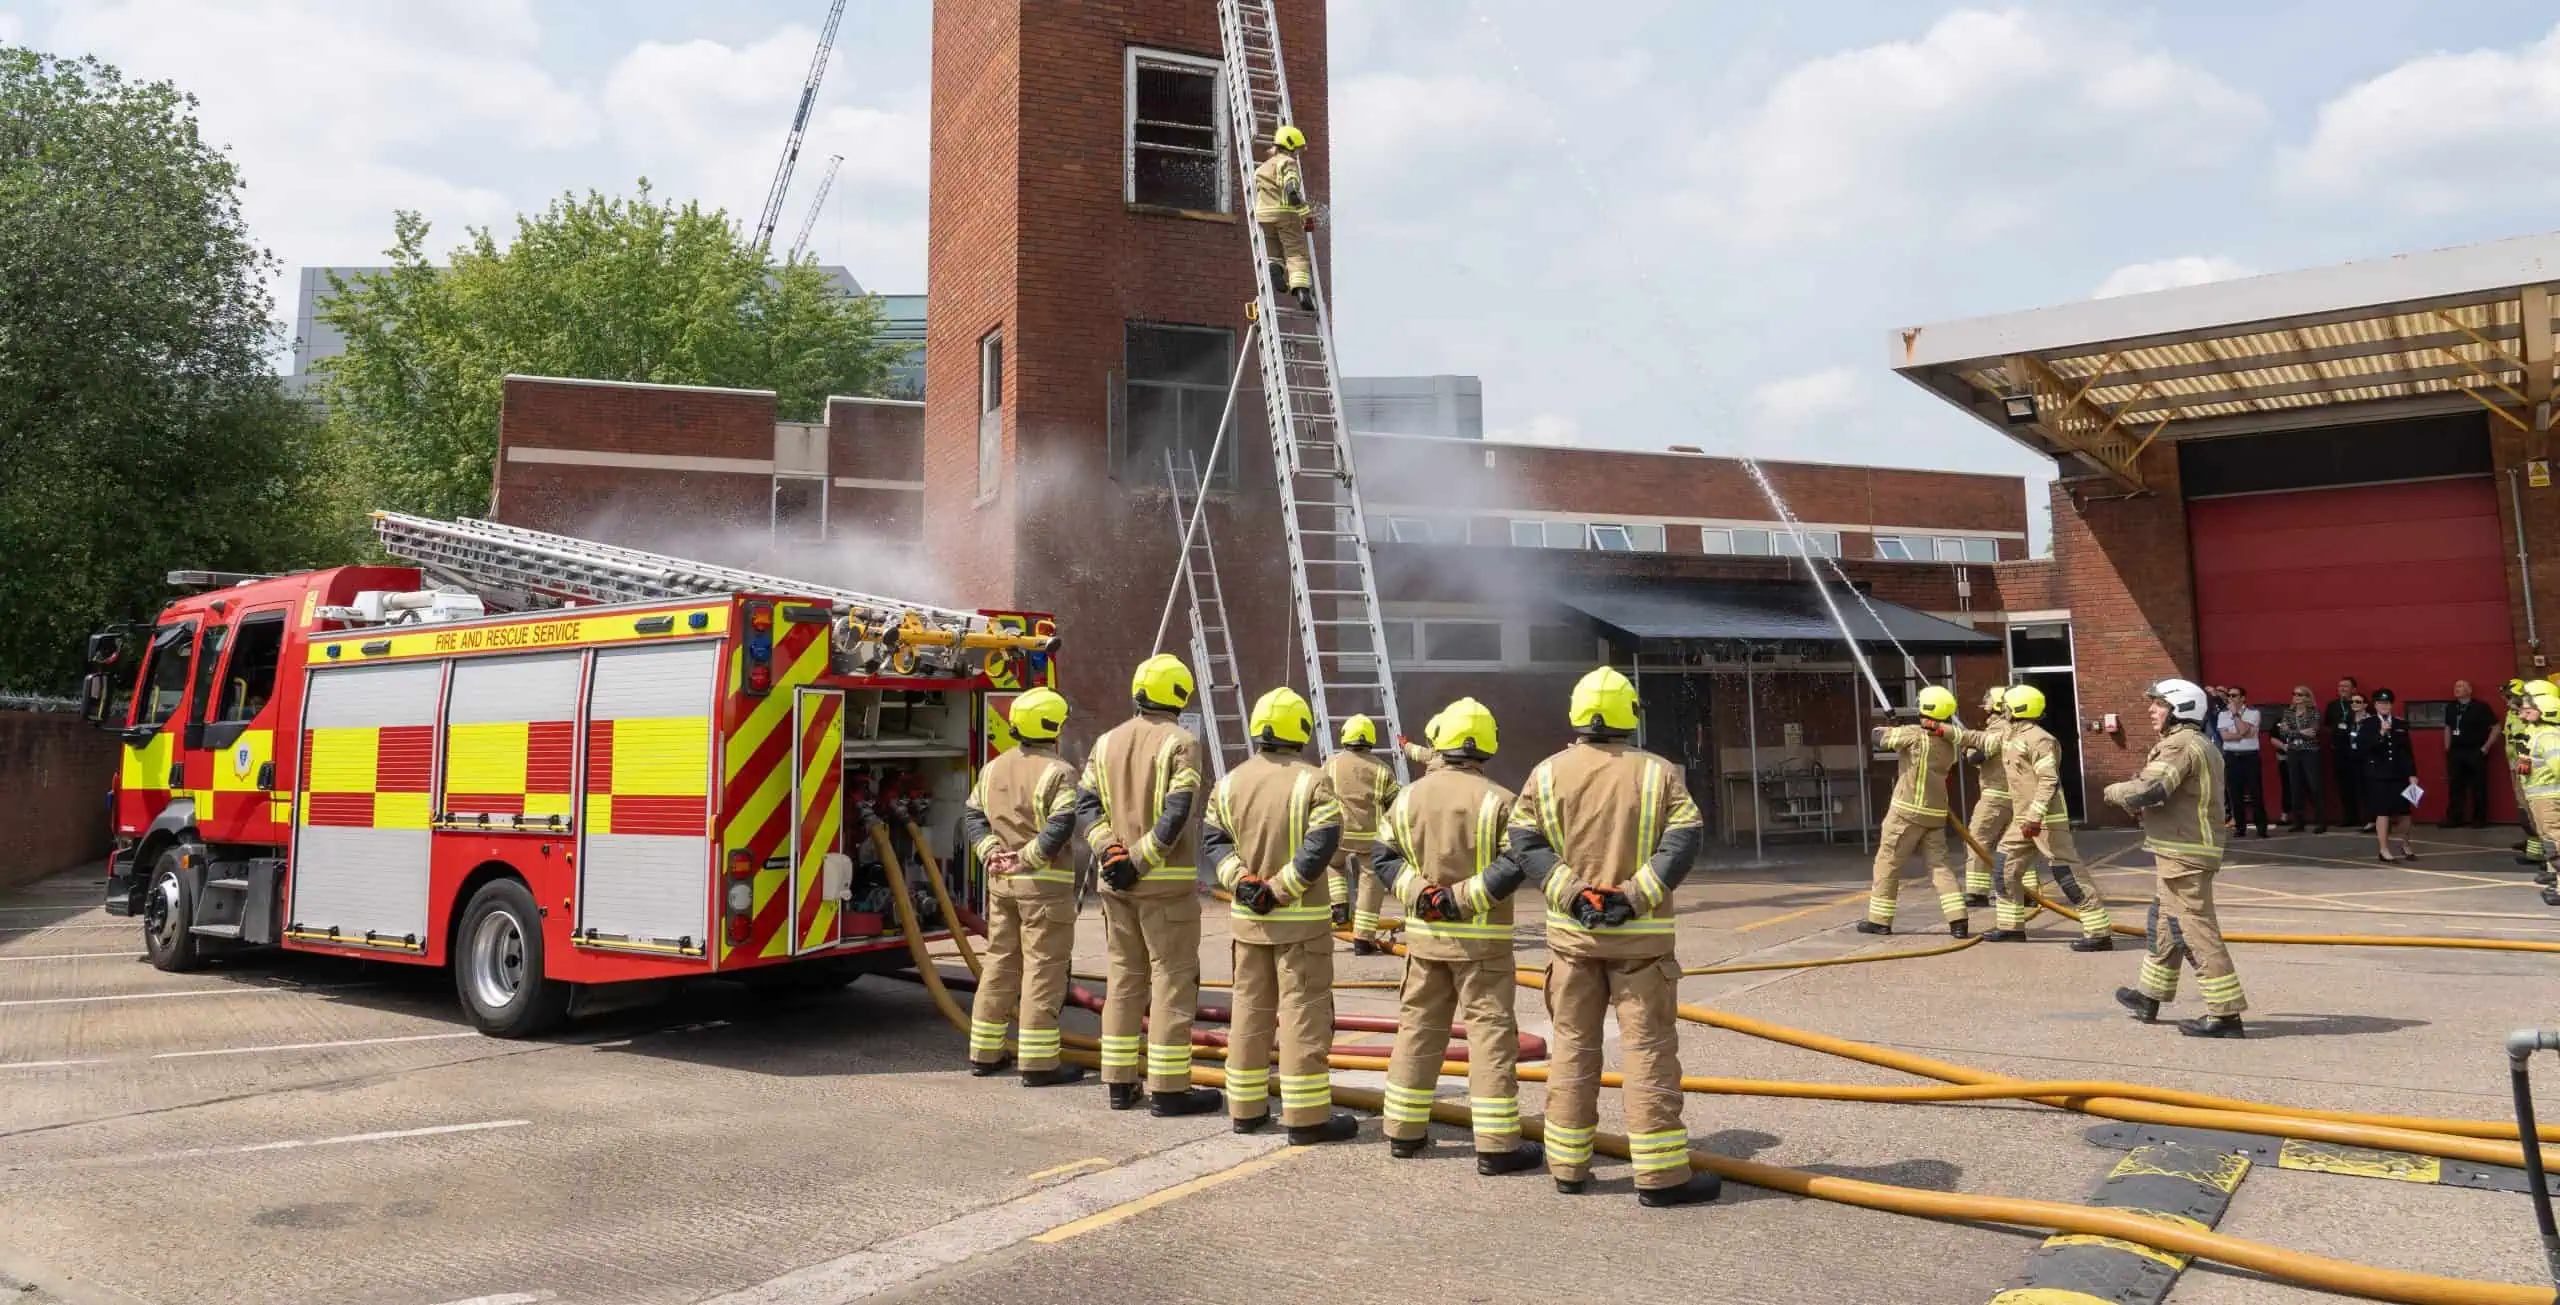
<point x="1982" y="550"/>
<point x="1820" y="543"/>
<point x="1528" y="534"/>
<point x="1568" y="534"/>
<point x="1750" y="543"/>
<point x="1893" y="548"/>
<point x="1445" y="641"/>
<point x="1177" y="389"/>
<point x="1564" y="645"/>
<point x="990" y="413"/>
<point x="1176" y="133"/>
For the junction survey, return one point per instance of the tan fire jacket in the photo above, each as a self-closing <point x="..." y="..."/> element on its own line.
<point x="1364" y="784"/>
<point x="1278" y="187"/>
<point x="1605" y="814"/>
<point x="1987" y="744"/>
<point x="1275" y="818"/>
<point x="1448" y="829"/>
<point x="1024" y="802"/>
<point x="1139" y="787"/>
<point x="2175" y="795"/>
<point x="2034" y="762"/>
<point x="1920" y="783"/>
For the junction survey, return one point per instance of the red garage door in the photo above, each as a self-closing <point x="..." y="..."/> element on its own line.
<point x="2401" y="586"/>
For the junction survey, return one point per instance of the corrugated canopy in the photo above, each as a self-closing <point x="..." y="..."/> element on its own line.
<point x="2441" y="331"/>
<point x="1762" y="613"/>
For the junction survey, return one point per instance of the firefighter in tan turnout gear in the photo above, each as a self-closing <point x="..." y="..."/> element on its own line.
<point x="1608" y="832"/>
<point x="1991" y="806"/>
<point x="1364" y="784"/>
<point x="1440" y="851"/>
<point x="1017" y="821"/>
<point x="2040" y="829"/>
<point x="1917" y="820"/>
<point x="1271" y="831"/>
<point x="1138" y="791"/>
<point x="2176" y="797"/>
<point x="1280" y="207"/>
<point x="2539" y="769"/>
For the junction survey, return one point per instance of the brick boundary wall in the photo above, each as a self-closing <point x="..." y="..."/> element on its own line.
<point x="54" y="772"/>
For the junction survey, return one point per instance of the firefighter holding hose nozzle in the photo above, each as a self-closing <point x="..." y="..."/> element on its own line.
<point x="1440" y="852"/>
<point x="1991" y="806"/>
<point x="1018" y="820"/>
<point x="1917" y="820"/>
<point x="1138" y="790"/>
<point x="1364" y="783"/>
<point x="2040" y="829"/>
<point x="1608" y="830"/>
<point x="2174" y="797"/>
<point x="1271" y="830"/>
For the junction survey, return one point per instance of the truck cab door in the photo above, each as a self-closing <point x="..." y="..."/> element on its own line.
<point x="235" y="732"/>
<point x="150" y="774"/>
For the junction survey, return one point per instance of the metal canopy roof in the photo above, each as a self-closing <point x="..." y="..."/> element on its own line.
<point x="1761" y="613"/>
<point x="2417" y="333"/>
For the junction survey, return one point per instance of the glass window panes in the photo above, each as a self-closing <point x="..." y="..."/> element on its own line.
<point x="1982" y="550"/>
<point x="991" y="372"/>
<point x="1461" y="641"/>
<point x="251" y="678"/>
<point x="1409" y="530"/>
<point x="1399" y="641"/>
<point x="1612" y="539"/>
<point x="1648" y="538"/>
<point x="1563" y="645"/>
<point x="1950" y="549"/>
<point x="1716" y="541"/>
<point x="1567" y="534"/>
<point x="164" y="681"/>
<point x="2033" y="646"/>
<point x="1892" y="548"/>
<point x="1752" y="542"/>
<point x="1177" y="388"/>
<point x="1449" y="530"/>
<point x="1820" y="543"/>
<point x="1174" y="131"/>
<point x="1528" y="534"/>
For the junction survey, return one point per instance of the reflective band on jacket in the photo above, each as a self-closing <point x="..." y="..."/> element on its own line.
<point x="1302" y="812"/>
<point x="1919" y="774"/>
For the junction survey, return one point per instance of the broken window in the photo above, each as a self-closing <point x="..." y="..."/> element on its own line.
<point x="1177" y="387"/>
<point x="1176" y="134"/>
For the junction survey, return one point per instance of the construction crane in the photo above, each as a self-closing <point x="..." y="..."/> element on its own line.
<point x="816" y="206"/>
<point x="799" y="128"/>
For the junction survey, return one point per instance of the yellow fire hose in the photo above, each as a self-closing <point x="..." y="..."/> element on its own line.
<point x="2290" y="1266"/>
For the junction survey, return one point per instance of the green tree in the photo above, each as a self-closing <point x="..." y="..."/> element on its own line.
<point x="141" y="426"/>
<point x="601" y="288"/>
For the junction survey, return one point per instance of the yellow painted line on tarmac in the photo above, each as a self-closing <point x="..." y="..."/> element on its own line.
<point x="1072" y="1166"/>
<point x="1803" y="911"/>
<point x="1131" y="1209"/>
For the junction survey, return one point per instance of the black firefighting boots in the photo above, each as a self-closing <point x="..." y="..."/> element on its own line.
<point x="1977" y="901"/>
<point x="1870" y="926"/>
<point x="2142" y="1007"/>
<point x="2093" y="943"/>
<point x="2212" y="1026"/>
<point x="1341" y="1127"/>
<point x="1518" y="1160"/>
<point x="1407" y="1148"/>
<point x="2005" y="935"/>
<point x="1700" y="1189"/>
<point x="1188" y="1101"/>
<point x="1054" y="1076"/>
<point x="1959" y="928"/>
<point x="1126" y="1096"/>
<point x="989" y="1068"/>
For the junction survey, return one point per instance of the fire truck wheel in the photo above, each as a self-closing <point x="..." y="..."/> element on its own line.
<point x="168" y="910"/>
<point x="498" y="965"/>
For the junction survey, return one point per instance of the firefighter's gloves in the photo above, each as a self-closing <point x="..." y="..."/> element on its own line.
<point x="1001" y="863"/>
<point x="1437" y="905"/>
<point x="1875" y="738"/>
<point x="2032" y="829"/>
<point x="1255" y="894"/>
<point x="1602" y="908"/>
<point x="1119" y="869"/>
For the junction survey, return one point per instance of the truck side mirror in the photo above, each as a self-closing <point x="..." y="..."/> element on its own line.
<point x="93" y="698"/>
<point x="105" y="647"/>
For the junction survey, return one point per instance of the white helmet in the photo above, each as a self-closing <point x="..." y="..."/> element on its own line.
<point x="2185" y="698"/>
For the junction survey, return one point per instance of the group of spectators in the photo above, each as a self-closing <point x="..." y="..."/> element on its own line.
<point x="2370" y="764"/>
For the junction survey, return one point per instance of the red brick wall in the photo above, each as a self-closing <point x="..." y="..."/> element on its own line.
<point x="619" y="418"/>
<point x="2510" y="448"/>
<point x="875" y="439"/>
<point x="2125" y="570"/>
<point x="634" y="507"/>
<point x="54" y="772"/>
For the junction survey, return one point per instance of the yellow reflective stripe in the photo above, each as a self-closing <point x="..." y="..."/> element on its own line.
<point x="1649" y="813"/>
<point x="1559" y="920"/>
<point x="1170" y="872"/>
<point x="2181" y="849"/>
<point x="1098" y="778"/>
<point x="1422" y="928"/>
<point x="1283" y="914"/>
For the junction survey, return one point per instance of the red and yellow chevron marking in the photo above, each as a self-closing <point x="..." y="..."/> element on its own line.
<point x="368" y="776"/>
<point x="755" y="796"/>
<point x="821" y="818"/>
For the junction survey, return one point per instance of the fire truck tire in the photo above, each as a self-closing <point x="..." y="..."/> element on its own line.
<point x="498" y="966"/>
<point x="168" y="915"/>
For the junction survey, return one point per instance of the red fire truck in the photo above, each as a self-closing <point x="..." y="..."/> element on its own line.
<point x="650" y="768"/>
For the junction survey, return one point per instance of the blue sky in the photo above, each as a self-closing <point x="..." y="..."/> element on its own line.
<point x="1643" y="222"/>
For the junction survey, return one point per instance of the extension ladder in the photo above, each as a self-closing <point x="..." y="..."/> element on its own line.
<point x="1331" y="578"/>
<point x="1213" y="650"/>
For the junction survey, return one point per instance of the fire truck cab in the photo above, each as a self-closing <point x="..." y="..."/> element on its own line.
<point x="350" y="762"/>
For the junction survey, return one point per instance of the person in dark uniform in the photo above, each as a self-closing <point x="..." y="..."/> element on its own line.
<point x="2297" y="735"/>
<point x="2338" y="730"/>
<point x="2382" y="749"/>
<point x="2469" y="727"/>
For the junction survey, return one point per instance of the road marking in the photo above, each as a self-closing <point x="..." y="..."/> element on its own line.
<point x="299" y="1143"/>
<point x="901" y="1260"/>
<point x="1801" y="912"/>
<point x="312" y="1046"/>
<point x="511" y="1298"/>
<point x="1130" y="1209"/>
<point x="46" y="1064"/>
<point x="1089" y="1162"/>
<point x="128" y="954"/>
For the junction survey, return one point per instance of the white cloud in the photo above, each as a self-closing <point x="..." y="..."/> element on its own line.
<point x="2438" y="133"/>
<point x="1967" y="131"/>
<point x="1552" y="428"/>
<point x="1797" y="401"/>
<point x="2167" y="274"/>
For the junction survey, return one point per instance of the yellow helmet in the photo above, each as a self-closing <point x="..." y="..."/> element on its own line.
<point x="1039" y="714"/>
<point x="2515" y="688"/>
<point x="1936" y="703"/>
<point x="1359" y="732"/>
<point x="2537" y="688"/>
<point x="1606" y="700"/>
<point x="1464" y="727"/>
<point x="1289" y="137"/>
<point x="2026" y="701"/>
<point x="1281" y="716"/>
<point x="1162" y="682"/>
<point x="2548" y="704"/>
<point x="1995" y="701"/>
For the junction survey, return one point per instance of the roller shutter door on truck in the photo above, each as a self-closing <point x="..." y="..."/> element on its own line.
<point x="644" y="868"/>
<point x="511" y="739"/>
<point x="359" y="870"/>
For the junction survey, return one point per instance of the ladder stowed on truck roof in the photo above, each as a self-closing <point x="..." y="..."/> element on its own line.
<point x="517" y="567"/>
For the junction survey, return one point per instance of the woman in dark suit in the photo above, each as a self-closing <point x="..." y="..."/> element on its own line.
<point x="2383" y="752"/>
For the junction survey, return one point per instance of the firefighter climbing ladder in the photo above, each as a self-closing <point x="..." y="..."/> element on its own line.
<point x="1213" y="649"/>
<point x="1331" y="580"/>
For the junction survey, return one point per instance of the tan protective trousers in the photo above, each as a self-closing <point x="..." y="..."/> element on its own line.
<point x="1353" y="883"/>
<point x="2542" y="824"/>
<point x="1990" y="820"/>
<point x="1434" y="992"/>
<point x="2184" y="927"/>
<point x="1155" y="988"/>
<point x="1284" y="235"/>
<point x="1031" y="943"/>
<point x="2021" y="856"/>
<point x="1282" y="989"/>
<point x="1644" y="992"/>
<point x="1902" y="835"/>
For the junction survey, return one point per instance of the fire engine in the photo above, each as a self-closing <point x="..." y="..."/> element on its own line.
<point x="547" y="763"/>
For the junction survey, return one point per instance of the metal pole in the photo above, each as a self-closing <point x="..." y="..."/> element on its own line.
<point x="1866" y="811"/>
<point x="2524" y="567"/>
<point x="1182" y="557"/>
<point x="2521" y="1045"/>
<point x="1751" y="728"/>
